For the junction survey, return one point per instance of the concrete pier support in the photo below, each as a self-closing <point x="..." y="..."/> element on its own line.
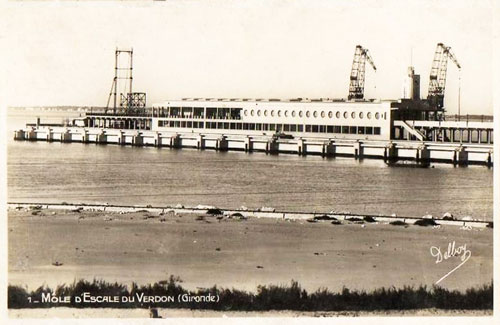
<point x="248" y="144"/>
<point x="460" y="157"/>
<point x="221" y="144"/>
<point x="423" y="155"/>
<point x="489" y="161"/>
<point x="85" y="136"/>
<point x="157" y="139"/>
<point x="101" y="138"/>
<point x="301" y="147"/>
<point x="175" y="141"/>
<point x="137" y="139"/>
<point x="121" y="138"/>
<point x="19" y="135"/>
<point x="358" y="150"/>
<point x="66" y="136"/>
<point x="200" y="142"/>
<point x="329" y="149"/>
<point x="51" y="136"/>
<point x="31" y="135"/>
<point x="390" y="153"/>
<point x="272" y="147"/>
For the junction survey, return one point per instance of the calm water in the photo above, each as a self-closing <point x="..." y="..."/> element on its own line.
<point x="55" y="172"/>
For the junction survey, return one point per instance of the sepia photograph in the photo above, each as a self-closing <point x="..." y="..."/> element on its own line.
<point x="249" y="159"/>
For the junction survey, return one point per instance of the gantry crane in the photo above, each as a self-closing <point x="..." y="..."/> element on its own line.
<point x="357" y="82"/>
<point x="437" y="81"/>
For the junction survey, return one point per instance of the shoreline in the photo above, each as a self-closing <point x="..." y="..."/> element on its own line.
<point x="245" y="212"/>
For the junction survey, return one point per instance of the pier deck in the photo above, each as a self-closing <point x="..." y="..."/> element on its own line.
<point x="421" y="152"/>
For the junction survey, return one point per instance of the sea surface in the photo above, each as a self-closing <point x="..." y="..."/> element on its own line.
<point x="89" y="173"/>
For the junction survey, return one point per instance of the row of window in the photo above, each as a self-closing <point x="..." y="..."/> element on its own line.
<point x="341" y="129"/>
<point x="322" y="114"/>
<point x="209" y="117"/>
<point x="214" y="112"/>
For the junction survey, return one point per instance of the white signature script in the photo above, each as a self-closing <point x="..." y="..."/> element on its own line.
<point x="452" y="251"/>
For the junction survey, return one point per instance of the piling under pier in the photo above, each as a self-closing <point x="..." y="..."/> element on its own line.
<point x="419" y="152"/>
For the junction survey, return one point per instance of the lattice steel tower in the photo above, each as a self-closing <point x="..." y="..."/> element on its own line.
<point x="130" y="102"/>
<point x="437" y="79"/>
<point x="357" y="80"/>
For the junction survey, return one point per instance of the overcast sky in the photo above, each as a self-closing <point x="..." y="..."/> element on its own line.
<point x="63" y="54"/>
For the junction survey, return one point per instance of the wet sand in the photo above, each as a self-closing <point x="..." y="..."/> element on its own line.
<point x="237" y="253"/>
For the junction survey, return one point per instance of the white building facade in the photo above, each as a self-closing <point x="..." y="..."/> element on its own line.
<point x="369" y="120"/>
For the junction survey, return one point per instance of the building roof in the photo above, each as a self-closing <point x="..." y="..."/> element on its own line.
<point x="306" y="100"/>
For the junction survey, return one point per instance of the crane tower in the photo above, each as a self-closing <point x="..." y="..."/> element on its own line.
<point x="437" y="80"/>
<point x="357" y="80"/>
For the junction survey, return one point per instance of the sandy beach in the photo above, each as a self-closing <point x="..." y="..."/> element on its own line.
<point x="231" y="253"/>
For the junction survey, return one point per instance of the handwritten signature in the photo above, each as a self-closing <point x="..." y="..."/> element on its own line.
<point x="453" y="251"/>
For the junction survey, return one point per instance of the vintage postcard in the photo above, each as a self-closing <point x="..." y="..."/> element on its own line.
<point x="249" y="159"/>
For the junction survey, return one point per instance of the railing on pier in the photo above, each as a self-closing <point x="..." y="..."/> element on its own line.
<point x="467" y="131"/>
<point x="469" y="118"/>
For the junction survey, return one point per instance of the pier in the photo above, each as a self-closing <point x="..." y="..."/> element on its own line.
<point x="391" y="151"/>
